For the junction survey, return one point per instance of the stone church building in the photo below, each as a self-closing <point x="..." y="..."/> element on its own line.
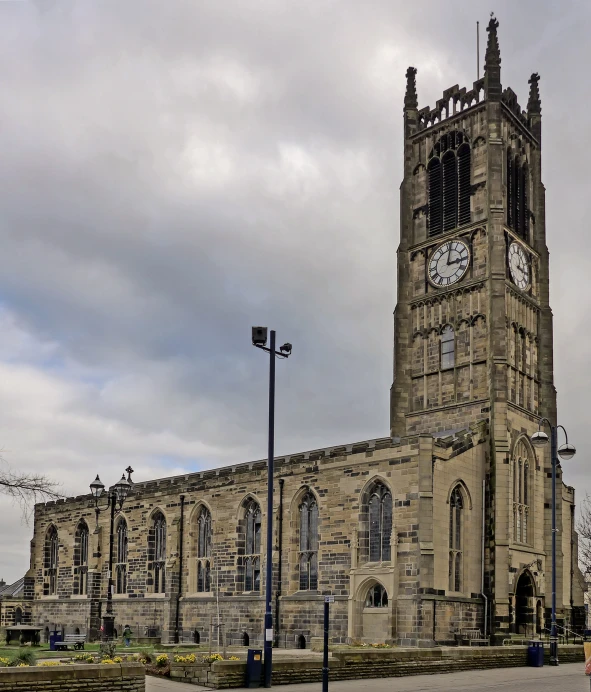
<point x="442" y="524"/>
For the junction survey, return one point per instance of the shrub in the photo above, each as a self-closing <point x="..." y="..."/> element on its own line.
<point x="25" y="656"/>
<point x="161" y="660"/>
<point x="107" y="649"/>
<point x="144" y="656"/>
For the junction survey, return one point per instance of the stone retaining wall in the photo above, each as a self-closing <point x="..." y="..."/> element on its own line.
<point x="124" y="677"/>
<point x="352" y="665"/>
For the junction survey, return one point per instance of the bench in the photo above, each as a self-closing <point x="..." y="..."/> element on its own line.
<point x="471" y="636"/>
<point x="76" y="641"/>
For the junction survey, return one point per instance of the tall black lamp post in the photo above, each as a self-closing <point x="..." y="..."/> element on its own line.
<point x="259" y="339"/>
<point x="566" y="452"/>
<point x="116" y="496"/>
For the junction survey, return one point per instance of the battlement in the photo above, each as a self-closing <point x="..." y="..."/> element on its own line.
<point x="453" y="101"/>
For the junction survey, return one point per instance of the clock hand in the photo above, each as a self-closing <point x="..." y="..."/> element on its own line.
<point x="448" y="256"/>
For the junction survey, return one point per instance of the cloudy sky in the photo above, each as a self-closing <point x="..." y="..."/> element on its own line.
<point x="173" y="172"/>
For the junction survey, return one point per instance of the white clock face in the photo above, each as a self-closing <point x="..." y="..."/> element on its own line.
<point x="448" y="263"/>
<point x="519" y="266"/>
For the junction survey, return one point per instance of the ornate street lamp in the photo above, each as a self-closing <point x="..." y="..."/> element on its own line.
<point x="566" y="452"/>
<point x="116" y="497"/>
<point x="259" y="339"/>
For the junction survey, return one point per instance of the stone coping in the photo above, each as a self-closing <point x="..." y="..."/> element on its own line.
<point x="85" y="671"/>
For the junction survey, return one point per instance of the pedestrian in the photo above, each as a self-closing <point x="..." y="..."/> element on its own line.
<point x="127" y="633"/>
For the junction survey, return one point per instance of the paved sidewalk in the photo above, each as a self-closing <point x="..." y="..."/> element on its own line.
<point x="566" y="678"/>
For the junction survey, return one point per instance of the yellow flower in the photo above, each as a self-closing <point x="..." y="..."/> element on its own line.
<point x="50" y="663"/>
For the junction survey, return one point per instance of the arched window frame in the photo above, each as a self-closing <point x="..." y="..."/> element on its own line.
<point x="122" y="556"/>
<point x="379" y="523"/>
<point x="51" y="560"/>
<point x="376" y="597"/>
<point x="159" y="552"/>
<point x="252" y="547"/>
<point x="517" y="179"/>
<point x="308" y="543"/>
<point x="521" y="495"/>
<point x="456" y="538"/>
<point x="81" y="559"/>
<point x="449" y="183"/>
<point x="447" y="348"/>
<point x="204" y="550"/>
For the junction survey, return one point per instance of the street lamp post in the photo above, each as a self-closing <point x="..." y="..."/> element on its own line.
<point x="259" y="339"/>
<point x="116" y="496"/>
<point x="566" y="452"/>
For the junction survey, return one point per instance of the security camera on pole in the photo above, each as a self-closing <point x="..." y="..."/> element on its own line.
<point x="259" y="339"/>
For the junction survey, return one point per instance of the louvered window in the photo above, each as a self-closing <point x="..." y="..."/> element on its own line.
<point x="517" y="195"/>
<point x="435" y="197"/>
<point x="465" y="186"/>
<point x="449" y="184"/>
<point x="450" y="191"/>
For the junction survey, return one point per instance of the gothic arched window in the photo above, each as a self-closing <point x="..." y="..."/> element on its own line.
<point x="121" y="564"/>
<point x="380" y="523"/>
<point x="517" y="195"/>
<point x="456" y="508"/>
<point x="81" y="559"/>
<point x="521" y="493"/>
<point x="308" y="552"/>
<point x="377" y="597"/>
<point x="449" y="184"/>
<point x="204" y="551"/>
<point x="252" y="551"/>
<point x="447" y="348"/>
<point x="158" y="536"/>
<point x="51" y="558"/>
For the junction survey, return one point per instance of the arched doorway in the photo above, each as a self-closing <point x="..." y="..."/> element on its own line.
<point x="524" y="604"/>
<point x="18" y="616"/>
<point x="301" y="642"/>
<point x="245" y="639"/>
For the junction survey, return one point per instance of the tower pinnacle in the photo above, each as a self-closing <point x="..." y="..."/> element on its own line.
<point x="492" y="62"/>
<point x="410" y="98"/>
<point x="534" y="105"/>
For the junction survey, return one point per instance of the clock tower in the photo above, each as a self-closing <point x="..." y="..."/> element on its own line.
<point x="473" y="324"/>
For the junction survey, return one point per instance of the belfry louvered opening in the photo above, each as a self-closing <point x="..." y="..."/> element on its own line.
<point x="517" y="179"/>
<point x="449" y="183"/>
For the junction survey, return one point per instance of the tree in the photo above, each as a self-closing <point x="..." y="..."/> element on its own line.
<point x="26" y="489"/>
<point x="584" y="531"/>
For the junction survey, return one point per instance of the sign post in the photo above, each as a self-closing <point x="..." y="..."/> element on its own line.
<point x="327" y="601"/>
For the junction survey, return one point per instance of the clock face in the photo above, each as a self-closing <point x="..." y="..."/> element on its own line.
<point x="519" y="266"/>
<point x="448" y="263"/>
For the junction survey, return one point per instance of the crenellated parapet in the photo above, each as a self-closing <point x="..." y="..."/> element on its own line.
<point x="453" y="101"/>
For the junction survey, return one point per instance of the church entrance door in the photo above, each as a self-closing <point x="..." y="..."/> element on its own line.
<point x="524" y="604"/>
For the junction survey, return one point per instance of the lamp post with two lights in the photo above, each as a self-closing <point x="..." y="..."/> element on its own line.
<point x="566" y="452"/>
<point x="116" y="496"/>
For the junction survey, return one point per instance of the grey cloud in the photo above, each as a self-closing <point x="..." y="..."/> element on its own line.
<point x="172" y="173"/>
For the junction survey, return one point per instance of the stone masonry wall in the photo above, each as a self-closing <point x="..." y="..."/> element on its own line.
<point x="127" y="677"/>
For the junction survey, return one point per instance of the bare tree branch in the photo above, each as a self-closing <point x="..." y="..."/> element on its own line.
<point x="26" y="489"/>
<point x="584" y="531"/>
